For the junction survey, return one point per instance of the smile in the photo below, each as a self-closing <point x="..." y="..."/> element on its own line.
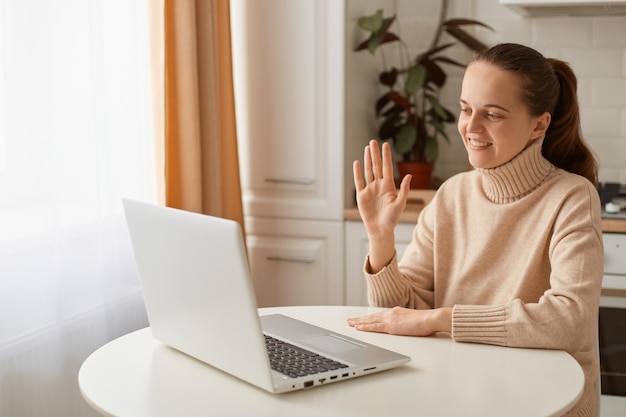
<point x="478" y="144"/>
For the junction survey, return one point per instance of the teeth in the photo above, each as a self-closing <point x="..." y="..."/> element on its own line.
<point x="478" y="144"/>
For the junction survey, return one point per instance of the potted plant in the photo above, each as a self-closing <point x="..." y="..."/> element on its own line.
<point x="412" y="116"/>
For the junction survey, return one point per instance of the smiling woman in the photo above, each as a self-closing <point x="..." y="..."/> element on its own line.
<point x="493" y="122"/>
<point x="511" y="252"/>
<point x="75" y="136"/>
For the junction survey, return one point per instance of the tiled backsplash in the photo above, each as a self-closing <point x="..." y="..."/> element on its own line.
<point x="594" y="46"/>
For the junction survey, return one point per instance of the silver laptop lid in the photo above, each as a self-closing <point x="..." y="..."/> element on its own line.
<point x="204" y="308"/>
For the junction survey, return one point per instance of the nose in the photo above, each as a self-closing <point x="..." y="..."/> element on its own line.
<point x="473" y="124"/>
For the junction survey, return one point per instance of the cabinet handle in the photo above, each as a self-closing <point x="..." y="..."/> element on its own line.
<point x="296" y="259"/>
<point x="296" y="181"/>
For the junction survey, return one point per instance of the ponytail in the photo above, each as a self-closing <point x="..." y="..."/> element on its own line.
<point x="564" y="145"/>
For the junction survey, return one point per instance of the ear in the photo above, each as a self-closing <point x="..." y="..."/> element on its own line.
<point x="541" y="125"/>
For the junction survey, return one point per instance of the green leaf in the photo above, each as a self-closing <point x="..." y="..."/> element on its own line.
<point x="378" y="26"/>
<point x="434" y="102"/>
<point x="405" y="139"/>
<point x="432" y="148"/>
<point x="440" y="128"/>
<point x="415" y="79"/>
<point x="373" y="43"/>
<point x="372" y="23"/>
<point x="445" y="136"/>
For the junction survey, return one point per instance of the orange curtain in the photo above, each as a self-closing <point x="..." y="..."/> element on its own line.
<point x="201" y="168"/>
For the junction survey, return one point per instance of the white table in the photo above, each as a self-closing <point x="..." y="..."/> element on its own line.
<point x="137" y="376"/>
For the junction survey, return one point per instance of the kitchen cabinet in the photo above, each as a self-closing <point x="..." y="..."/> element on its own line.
<point x="288" y="68"/>
<point x="296" y="262"/>
<point x="357" y="248"/>
<point x="288" y="76"/>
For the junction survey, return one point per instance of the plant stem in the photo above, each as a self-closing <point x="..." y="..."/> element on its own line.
<point x="442" y="16"/>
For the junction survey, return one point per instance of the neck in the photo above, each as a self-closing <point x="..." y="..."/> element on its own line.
<point x="518" y="177"/>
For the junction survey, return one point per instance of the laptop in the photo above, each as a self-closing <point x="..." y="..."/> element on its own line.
<point x="200" y="300"/>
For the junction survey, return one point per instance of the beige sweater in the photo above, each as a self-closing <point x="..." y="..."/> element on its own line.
<point x="517" y="252"/>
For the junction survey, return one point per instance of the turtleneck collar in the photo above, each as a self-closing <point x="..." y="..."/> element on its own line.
<point x="518" y="177"/>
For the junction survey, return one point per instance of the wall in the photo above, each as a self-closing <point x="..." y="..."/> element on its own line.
<point x="594" y="46"/>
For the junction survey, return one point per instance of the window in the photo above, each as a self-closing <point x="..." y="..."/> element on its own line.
<point x="75" y="137"/>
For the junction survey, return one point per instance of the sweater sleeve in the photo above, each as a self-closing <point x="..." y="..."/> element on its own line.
<point x="389" y="288"/>
<point x="410" y="282"/>
<point x="480" y="324"/>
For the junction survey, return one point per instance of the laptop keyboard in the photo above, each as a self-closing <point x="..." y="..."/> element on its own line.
<point x="295" y="362"/>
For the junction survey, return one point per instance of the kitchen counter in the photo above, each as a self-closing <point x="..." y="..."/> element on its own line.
<point x="419" y="198"/>
<point x="612" y="225"/>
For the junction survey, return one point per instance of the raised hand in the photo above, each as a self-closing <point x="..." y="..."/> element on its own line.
<point x="380" y="204"/>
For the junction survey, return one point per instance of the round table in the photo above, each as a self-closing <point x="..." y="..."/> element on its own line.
<point x="136" y="375"/>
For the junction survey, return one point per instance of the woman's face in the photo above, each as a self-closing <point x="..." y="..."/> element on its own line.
<point x="494" y="123"/>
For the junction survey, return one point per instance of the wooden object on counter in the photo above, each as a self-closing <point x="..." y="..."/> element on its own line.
<point x="614" y="225"/>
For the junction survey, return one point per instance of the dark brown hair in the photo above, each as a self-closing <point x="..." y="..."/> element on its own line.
<point x="549" y="85"/>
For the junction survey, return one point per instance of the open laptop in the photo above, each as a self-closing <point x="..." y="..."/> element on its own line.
<point x="200" y="300"/>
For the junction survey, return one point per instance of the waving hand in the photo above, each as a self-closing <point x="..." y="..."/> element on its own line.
<point x="380" y="204"/>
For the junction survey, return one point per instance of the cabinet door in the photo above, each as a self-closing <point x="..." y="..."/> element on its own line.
<point x="357" y="248"/>
<point x="288" y="78"/>
<point x="296" y="262"/>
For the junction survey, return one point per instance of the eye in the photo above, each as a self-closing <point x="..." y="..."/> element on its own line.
<point x="465" y="110"/>
<point x="493" y="116"/>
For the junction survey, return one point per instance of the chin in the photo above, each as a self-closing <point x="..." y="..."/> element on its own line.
<point x="476" y="162"/>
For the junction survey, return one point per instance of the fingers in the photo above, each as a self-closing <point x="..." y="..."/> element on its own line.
<point x="369" y="319"/>
<point x="387" y="168"/>
<point x="371" y="327"/>
<point x="367" y="164"/>
<point x="359" y="183"/>
<point x="371" y="323"/>
<point x="372" y="163"/>
<point x="405" y="186"/>
<point x="377" y="166"/>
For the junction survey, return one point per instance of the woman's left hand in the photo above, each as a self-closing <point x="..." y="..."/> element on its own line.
<point x="405" y="321"/>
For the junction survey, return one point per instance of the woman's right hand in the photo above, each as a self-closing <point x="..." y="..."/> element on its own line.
<point x="380" y="204"/>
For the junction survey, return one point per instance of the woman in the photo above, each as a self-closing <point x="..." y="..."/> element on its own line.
<point x="509" y="253"/>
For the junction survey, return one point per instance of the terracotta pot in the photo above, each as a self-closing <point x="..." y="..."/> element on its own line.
<point x="421" y="171"/>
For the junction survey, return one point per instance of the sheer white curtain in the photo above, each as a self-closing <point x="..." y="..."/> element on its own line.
<point x="75" y="137"/>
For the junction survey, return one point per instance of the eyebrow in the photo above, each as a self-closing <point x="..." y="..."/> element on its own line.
<point x="497" y="106"/>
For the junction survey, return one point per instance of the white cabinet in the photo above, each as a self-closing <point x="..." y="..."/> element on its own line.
<point x="357" y="248"/>
<point x="288" y="59"/>
<point x="288" y="68"/>
<point x="296" y="262"/>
